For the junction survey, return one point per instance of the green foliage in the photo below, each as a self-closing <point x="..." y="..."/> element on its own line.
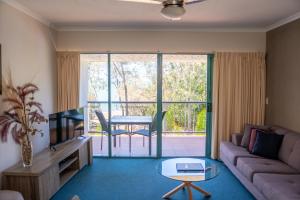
<point x="184" y="81"/>
<point x="201" y="120"/>
<point x="173" y="121"/>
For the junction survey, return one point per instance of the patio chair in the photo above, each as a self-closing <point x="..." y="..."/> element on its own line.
<point x="153" y="128"/>
<point x="104" y="126"/>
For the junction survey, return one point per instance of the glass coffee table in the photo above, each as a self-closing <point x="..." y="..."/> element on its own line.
<point x="168" y="169"/>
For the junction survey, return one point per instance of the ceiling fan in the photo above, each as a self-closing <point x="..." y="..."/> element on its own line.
<point x="172" y="9"/>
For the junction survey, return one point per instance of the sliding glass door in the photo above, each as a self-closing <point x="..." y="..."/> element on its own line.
<point x="133" y="94"/>
<point x="153" y="104"/>
<point x="96" y="66"/>
<point x="184" y="99"/>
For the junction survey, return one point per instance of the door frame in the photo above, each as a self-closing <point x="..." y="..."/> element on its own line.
<point x="210" y="58"/>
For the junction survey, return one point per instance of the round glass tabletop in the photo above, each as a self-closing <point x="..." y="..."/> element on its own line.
<point x="170" y="169"/>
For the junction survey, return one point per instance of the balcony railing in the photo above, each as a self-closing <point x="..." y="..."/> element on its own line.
<point x="182" y="117"/>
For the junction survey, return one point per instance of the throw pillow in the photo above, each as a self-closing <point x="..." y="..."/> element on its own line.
<point x="252" y="139"/>
<point x="247" y="133"/>
<point x="267" y="144"/>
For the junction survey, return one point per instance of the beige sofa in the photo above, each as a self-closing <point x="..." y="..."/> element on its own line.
<point x="10" y="195"/>
<point x="266" y="178"/>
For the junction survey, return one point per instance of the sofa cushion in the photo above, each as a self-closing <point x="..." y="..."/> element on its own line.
<point x="236" y="138"/>
<point x="287" y="146"/>
<point x="267" y="144"/>
<point x="279" y="130"/>
<point x="247" y="132"/>
<point x="232" y="152"/>
<point x="249" y="166"/>
<point x="294" y="159"/>
<point x="278" y="186"/>
<point x="252" y="139"/>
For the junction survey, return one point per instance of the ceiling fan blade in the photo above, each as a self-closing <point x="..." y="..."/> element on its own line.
<point x="143" y="1"/>
<point x="188" y="2"/>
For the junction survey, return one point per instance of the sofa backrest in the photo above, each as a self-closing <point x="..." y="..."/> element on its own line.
<point x="294" y="159"/>
<point x="290" y="148"/>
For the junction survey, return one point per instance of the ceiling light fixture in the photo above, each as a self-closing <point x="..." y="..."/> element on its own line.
<point x="173" y="9"/>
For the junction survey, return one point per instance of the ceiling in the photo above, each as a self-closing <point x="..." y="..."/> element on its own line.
<point x="113" y="14"/>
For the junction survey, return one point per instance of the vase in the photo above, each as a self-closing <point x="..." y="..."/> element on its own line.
<point x="26" y="151"/>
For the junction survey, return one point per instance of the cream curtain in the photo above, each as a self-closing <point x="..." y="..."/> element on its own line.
<point x="68" y="77"/>
<point x="239" y="81"/>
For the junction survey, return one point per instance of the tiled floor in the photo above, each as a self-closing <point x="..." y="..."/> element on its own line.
<point x="186" y="145"/>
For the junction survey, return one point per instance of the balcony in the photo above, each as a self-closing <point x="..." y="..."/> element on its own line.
<point x="183" y="132"/>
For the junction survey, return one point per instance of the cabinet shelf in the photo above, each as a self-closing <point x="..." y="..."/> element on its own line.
<point x="50" y="170"/>
<point x="67" y="163"/>
<point x="67" y="175"/>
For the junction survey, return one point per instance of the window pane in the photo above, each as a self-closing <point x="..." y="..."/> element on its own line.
<point x="184" y="77"/>
<point x="133" y="83"/>
<point x="97" y="76"/>
<point x="133" y="77"/>
<point x="184" y="99"/>
<point x="96" y="66"/>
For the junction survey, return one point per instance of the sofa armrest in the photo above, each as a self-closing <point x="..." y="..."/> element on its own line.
<point x="236" y="138"/>
<point x="10" y="195"/>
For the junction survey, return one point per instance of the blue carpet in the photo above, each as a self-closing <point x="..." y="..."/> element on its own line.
<point x="138" y="179"/>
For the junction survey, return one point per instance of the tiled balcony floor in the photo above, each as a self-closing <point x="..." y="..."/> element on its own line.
<point x="185" y="145"/>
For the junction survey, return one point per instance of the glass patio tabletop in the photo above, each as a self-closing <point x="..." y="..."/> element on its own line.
<point x="131" y="120"/>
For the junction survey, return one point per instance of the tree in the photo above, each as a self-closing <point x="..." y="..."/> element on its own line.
<point x="201" y="120"/>
<point x="120" y="77"/>
<point x="184" y="81"/>
<point x="97" y="78"/>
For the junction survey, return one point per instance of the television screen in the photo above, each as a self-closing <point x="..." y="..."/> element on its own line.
<point x="66" y="125"/>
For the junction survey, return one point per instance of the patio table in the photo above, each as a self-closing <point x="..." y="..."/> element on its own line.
<point x="132" y="120"/>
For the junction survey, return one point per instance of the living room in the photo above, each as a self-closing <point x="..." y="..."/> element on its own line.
<point x="109" y="99"/>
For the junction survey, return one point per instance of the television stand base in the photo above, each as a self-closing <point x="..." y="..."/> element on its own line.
<point x="50" y="169"/>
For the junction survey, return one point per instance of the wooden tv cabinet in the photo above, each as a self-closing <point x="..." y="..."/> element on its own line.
<point x="50" y="169"/>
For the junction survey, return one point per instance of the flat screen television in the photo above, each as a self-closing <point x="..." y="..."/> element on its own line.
<point x="66" y="125"/>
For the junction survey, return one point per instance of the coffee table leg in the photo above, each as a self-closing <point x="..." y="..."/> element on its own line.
<point x="169" y="194"/>
<point x="206" y="194"/>
<point x="188" y="185"/>
<point x="190" y="192"/>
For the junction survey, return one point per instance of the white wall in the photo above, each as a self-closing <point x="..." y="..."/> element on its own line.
<point x="164" y="41"/>
<point x="28" y="49"/>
